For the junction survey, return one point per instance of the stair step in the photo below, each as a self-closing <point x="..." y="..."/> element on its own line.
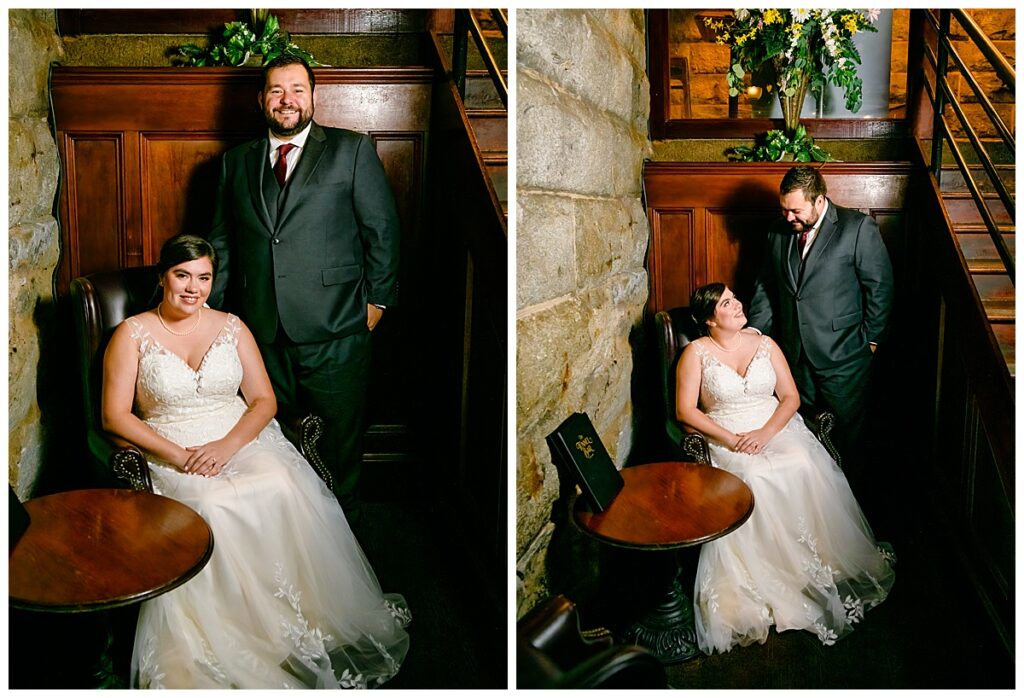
<point x="499" y="176"/>
<point x="963" y="210"/>
<point x="491" y="129"/>
<point x="481" y="92"/>
<point x="980" y="252"/>
<point x="952" y="179"/>
<point x="997" y="152"/>
<point x="474" y="61"/>
<point x="998" y="296"/>
<point x="1006" y="337"/>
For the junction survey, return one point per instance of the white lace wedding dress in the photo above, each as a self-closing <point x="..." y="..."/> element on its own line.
<point x="806" y="558"/>
<point x="288" y="599"/>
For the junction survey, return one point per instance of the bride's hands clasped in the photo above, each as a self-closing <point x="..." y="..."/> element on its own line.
<point x="752" y="442"/>
<point x="208" y="459"/>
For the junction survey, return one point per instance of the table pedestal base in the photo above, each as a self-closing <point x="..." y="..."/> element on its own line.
<point x="667" y="631"/>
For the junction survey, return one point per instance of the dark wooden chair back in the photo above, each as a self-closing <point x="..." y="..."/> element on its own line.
<point x="100" y="302"/>
<point x="674" y="329"/>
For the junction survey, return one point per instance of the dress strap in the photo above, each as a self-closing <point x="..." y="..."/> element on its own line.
<point x="232" y="326"/>
<point x="140" y="334"/>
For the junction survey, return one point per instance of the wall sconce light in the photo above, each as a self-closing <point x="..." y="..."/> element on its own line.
<point x="754" y="92"/>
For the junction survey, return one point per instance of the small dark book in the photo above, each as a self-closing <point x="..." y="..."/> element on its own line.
<point x="578" y="451"/>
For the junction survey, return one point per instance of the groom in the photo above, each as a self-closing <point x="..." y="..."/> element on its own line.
<point x="307" y="238"/>
<point x="824" y="292"/>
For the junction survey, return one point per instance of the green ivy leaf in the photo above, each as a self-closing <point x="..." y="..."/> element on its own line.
<point x="733" y="92"/>
<point x="737" y="69"/>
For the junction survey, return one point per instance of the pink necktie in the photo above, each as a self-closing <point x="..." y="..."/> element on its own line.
<point x="281" y="166"/>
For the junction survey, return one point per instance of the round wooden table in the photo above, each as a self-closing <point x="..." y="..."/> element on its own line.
<point x="665" y="507"/>
<point x="89" y="550"/>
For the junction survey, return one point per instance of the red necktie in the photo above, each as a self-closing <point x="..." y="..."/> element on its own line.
<point x="802" y="242"/>
<point x="281" y="166"/>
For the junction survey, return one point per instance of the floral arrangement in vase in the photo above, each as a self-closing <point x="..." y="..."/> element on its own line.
<point x="806" y="48"/>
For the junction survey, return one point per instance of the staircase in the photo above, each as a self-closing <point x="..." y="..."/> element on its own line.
<point x="987" y="270"/>
<point x="484" y="107"/>
<point x="982" y="217"/>
<point x="489" y="121"/>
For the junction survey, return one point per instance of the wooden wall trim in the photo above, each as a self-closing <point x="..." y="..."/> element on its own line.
<point x="231" y="76"/>
<point x="296" y="21"/>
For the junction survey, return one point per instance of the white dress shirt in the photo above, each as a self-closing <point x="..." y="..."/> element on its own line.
<point x="299" y="141"/>
<point x="813" y="232"/>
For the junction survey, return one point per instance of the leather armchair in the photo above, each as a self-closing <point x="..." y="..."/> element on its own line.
<point x="674" y="329"/>
<point x="100" y="302"/>
<point x="552" y="652"/>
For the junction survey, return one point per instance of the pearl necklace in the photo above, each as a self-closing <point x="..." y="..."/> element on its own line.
<point x="199" y="319"/>
<point x="723" y="348"/>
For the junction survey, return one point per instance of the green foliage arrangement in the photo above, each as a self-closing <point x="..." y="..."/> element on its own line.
<point x="240" y="41"/>
<point x="776" y="145"/>
<point x="806" y="47"/>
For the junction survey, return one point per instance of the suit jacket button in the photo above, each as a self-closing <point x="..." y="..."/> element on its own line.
<point x="276" y="241"/>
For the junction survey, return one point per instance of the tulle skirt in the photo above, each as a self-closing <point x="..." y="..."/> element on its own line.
<point x="287" y="600"/>
<point x="805" y="559"/>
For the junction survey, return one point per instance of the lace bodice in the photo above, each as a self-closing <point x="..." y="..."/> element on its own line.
<point x="727" y="396"/>
<point x="185" y="405"/>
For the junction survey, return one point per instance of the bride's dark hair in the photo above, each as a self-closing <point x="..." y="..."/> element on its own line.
<point x="703" y="302"/>
<point x="184" y="248"/>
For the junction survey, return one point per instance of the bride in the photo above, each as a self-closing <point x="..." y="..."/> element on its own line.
<point x="287" y="600"/>
<point x="806" y="559"/>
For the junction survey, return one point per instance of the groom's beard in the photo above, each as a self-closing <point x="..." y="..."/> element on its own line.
<point x="278" y="128"/>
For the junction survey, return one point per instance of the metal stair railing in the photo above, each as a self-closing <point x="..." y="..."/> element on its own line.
<point x="467" y="23"/>
<point x="943" y="95"/>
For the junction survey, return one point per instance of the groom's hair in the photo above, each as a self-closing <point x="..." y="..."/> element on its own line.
<point x="703" y="302"/>
<point x="288" y="59"/>
<point x="184" y="248"/>
<point x="806" y="179"/>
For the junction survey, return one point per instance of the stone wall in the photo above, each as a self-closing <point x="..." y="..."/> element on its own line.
<point x="33" y="235"/>
<point x="583" y="104"/>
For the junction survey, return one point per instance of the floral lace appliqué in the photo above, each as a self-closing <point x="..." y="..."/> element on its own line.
<point x="309" y="642"/>
<point x="150" y="675"/>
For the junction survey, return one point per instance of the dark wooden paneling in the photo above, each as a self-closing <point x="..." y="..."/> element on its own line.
<point x="178" y="182"/>
<point x="961" y="398"/>
<point x="464" y="268"/>
<point x="709" y="220"/>
<point x="296" y="21"/>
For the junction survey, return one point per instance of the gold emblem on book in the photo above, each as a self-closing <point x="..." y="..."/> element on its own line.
<point x="585" y="446"/>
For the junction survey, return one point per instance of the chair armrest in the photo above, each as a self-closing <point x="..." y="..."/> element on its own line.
<point x="822" y="424"/>
<point x="691" y="445"/>
<point x="304" y="430"/>
<point x="122" y="458"/>
<point x="696" y="447"/>
<point x="621" y="666"/>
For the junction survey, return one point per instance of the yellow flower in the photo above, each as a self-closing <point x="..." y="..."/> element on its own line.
<point x="851" y="23"/>
<point x="795" y="29"/>
<point x="772" y="16"/>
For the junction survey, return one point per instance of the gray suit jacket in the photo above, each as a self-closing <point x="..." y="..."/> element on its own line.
<point x="834" y="303"/>
<point x="318" y="256"/>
